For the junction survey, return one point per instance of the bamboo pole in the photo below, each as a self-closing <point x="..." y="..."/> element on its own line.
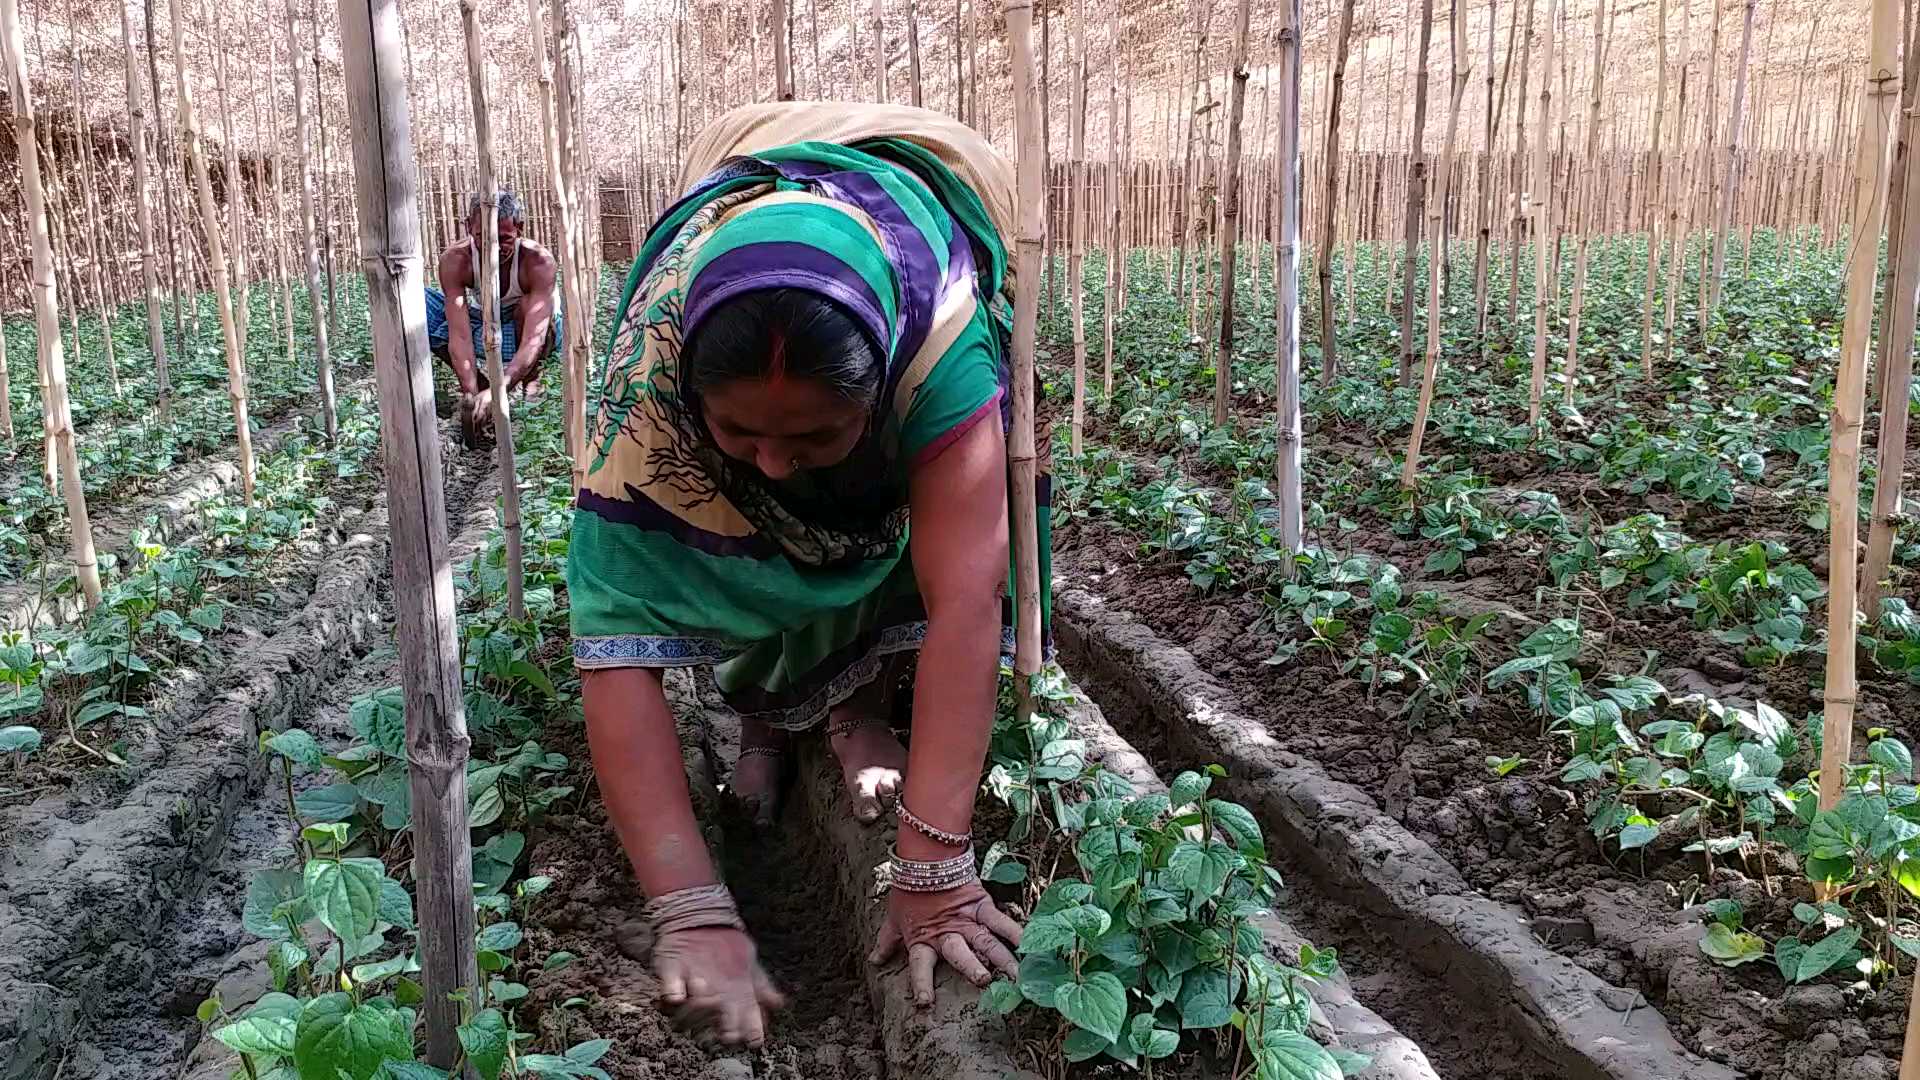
<point x="1110" y="212"/>
<point x="1329" y="203"/>
<point x="143" y="216"/>
<point x="486" y="259"/>
<point x="1570" y="368"/>
<point x="782" y="60"/>
<point x="1410" y="469"/>
<point x="231" y="179"/>
<point x="1516" y="224"/>
<point x="90" y="226"/>
<point x="578" y="339"/>
<point x="1728" y="179"/>
<point x="216" y="261"/>
<point x="1021" y="460"/>
<point x="1416" y="197"/>
<point x="550" y="143"/>
<point x="1871" y="166"/>
<point x="1289" y="496"/>
<point x="1654" y="180"/>
<point x="1230" y="215"/>
<point x="1541" y="200"/>
<point x="437" y="741"/>
<point x="323" y="360"/>
<point x="1483" y="242"/>
<point x="914" y="84"/>
<point x="1077" y="223"/>
<point x="46" y="314"/>
<point x="1903" y="293"/>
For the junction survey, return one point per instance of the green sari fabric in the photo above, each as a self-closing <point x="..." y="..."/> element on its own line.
<point x="798" y="591"/>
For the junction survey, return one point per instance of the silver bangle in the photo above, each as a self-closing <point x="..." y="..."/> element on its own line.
<point x="912" y="875"/>
<point x="699" y="907"/>
<point x="931" y="832"/>
<point x="842" y="727"/>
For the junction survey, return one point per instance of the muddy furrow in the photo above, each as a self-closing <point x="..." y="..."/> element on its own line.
<point x="113" y="901"/>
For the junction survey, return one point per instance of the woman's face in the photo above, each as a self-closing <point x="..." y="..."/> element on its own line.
<point x="783" y="427"/>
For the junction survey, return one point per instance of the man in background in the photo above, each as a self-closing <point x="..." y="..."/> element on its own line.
<point x="529" y="326"/>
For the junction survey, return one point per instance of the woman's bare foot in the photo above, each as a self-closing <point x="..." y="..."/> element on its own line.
<point x="758" y="772"/>
<point x="872" y="761"/>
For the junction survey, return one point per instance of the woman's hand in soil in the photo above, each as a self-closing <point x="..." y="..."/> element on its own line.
<point x="961" y="926"/>
<point x="711" y="975"/>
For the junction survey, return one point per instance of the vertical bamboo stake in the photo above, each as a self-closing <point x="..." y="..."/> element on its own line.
<point x="1518" y="165"/>
<point x="913" y="56"/>
<point x="1483" y="242"/>
<point x="782" y="59"/>
<point x="486" y="256"/>
<point x="90" y="226"/>
<point x="277" y="176"/>
<point x="1882" y="90"/>
<point x="1020" y="440"/>
<point x="1230" y="214"/>
<point x="1329" y="202"/>
<point x="1077" y="223"/>
<point x="1541" y="200"/>
<point x="216" y="260"/>
<point x="1110" y="212"/>
<point x="143" y="215"/>
<point x="6" y="391"/>
<point x="1730" y="168"/>
<point x="578" y="341"/>
<point x="879" y="51"/>
<point x="1893" y="373"/>
<point x="232" y="181"/>
<point x="557" y="179"/>
<point x="1410" y="469"/>
<point x="1286" y="269"/>
<point x="329" y="412"/>
<point x="1571" y="366"/>
<point x="1654" y="187"/>
<point x="1416" y="197"/>
<point x="437" y="741"/>
<point x="46" y="312"/>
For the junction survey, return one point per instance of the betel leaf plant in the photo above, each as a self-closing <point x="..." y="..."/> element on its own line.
<point x="1153" y="935"/>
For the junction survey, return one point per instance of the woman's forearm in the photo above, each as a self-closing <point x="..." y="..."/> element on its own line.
<point x="643" y="780"/>
<point x="953" y="701"/>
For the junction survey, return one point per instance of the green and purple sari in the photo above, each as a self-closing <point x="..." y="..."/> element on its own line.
<point x="797" y="591"/>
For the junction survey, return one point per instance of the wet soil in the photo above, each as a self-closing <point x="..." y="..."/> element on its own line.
<point x="827" y="1031"/>
<point x="1522" y="838"/>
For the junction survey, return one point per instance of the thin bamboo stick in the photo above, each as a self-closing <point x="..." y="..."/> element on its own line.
<point x="1230" y="215"/>
<point x="1289" y="496"/>
<point x="1881" y="93"/>
<point x="1410" y="469"/>
<point x="1021" y="459"/>
<point x="143" y="215"/>
<point x="1329" y="204"/>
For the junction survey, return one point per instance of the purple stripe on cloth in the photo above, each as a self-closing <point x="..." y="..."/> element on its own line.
<point x="776" y="265"/>
<point x="915" y="265"/>
<point x="952" y="435"/>
<point x="640" y="511"/>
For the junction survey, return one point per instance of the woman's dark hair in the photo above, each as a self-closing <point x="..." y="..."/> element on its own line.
<point x="770" y="334"/>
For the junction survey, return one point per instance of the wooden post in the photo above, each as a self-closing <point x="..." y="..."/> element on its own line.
<point x="1541" y="200"/>
<point x="1410" y="469"/>
<point x="46" y="312"/>
<point x="1026" y="309"/>
<point x="216" y="260"/>
<point x="316" y="309"/>
<point x="143" y="215"/>
<point x="1729" y="173"/>
<point x="437" y="742"/>
<point x="1416" y="200"/>
<point x="1286" y="269"/>
<point x="1230" y="215"/>
<point x="1870" y="169"/>
<point x="782" y="58"/>
<point x="486" y="255"/>
<point x="1329" y="194"/>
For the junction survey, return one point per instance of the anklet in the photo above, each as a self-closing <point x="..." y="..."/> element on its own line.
<point x="767" y="751"/>
<point x="696" y="908"/>
<point x="931" y="832"/>
<point x="911" y="875"/>
<point x="842" y="727"/>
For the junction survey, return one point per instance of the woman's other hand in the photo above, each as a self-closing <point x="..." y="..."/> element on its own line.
<point x="960" y="925"/>
<point x="712" y="976"/>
